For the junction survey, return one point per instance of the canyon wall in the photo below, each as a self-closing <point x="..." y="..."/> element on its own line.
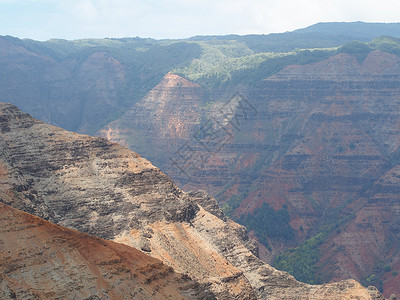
<point x="320" y="141"/>
<point x="95" y="186"/>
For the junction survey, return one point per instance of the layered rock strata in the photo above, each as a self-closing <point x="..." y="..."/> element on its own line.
<point x="104" y="189"/>
<point x="324" y="142"/>
<point x="40" y="260"/>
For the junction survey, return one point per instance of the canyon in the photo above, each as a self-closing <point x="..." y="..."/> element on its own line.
<point x="322" y="143"/>
<point x="101" y="188"/>
<point x="295" y="135"/>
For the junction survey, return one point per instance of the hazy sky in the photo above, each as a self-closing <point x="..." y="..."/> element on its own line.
<point x="74" y="19"/>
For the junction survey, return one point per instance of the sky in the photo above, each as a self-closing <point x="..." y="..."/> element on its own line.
<point x="76" y="19"/>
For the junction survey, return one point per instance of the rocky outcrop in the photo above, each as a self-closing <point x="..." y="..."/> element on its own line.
<point x="40" y="260"/>
<point x="106" y="190"/>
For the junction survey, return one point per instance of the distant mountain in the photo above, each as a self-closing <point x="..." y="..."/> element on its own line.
<point x="321" y="35"/>
<point x="362" y="31"/>
<point x="82" y="85"/>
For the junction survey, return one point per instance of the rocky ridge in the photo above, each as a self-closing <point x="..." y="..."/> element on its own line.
<point x="104" y="189"/>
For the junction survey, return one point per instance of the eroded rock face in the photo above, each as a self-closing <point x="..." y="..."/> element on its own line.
<point x="324" y="143"/>
<point x="40" y="260"/>
<point x="104" y="189"/>
<point x="167" y="117"/>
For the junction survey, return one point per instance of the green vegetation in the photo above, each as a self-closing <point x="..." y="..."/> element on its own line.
<point x="386" y="44"/>
<point x="234" y="202"/>
<point x="209" y="61"/>
<point x="374" y="280"/>
<point x="355" y="47"/>
<point x="371" y="278"/>
<point x="379" y="270"/>
<point x="269" y="223"/>
<point x="387" y="268"/>
<point x="358" y="49"/>
<point x="275" y="64"/>
<point x="301" y="261"/>
<point x="233" y="62"/>
<point x="241" y="66"/>
<point x="219" y="59"/>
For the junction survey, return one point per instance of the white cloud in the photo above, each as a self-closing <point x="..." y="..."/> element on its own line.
<point x="183" y="18"/>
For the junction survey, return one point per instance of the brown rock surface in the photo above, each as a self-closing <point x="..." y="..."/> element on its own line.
<point x="104" y="189"/>
<point x="40" y="260"/>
